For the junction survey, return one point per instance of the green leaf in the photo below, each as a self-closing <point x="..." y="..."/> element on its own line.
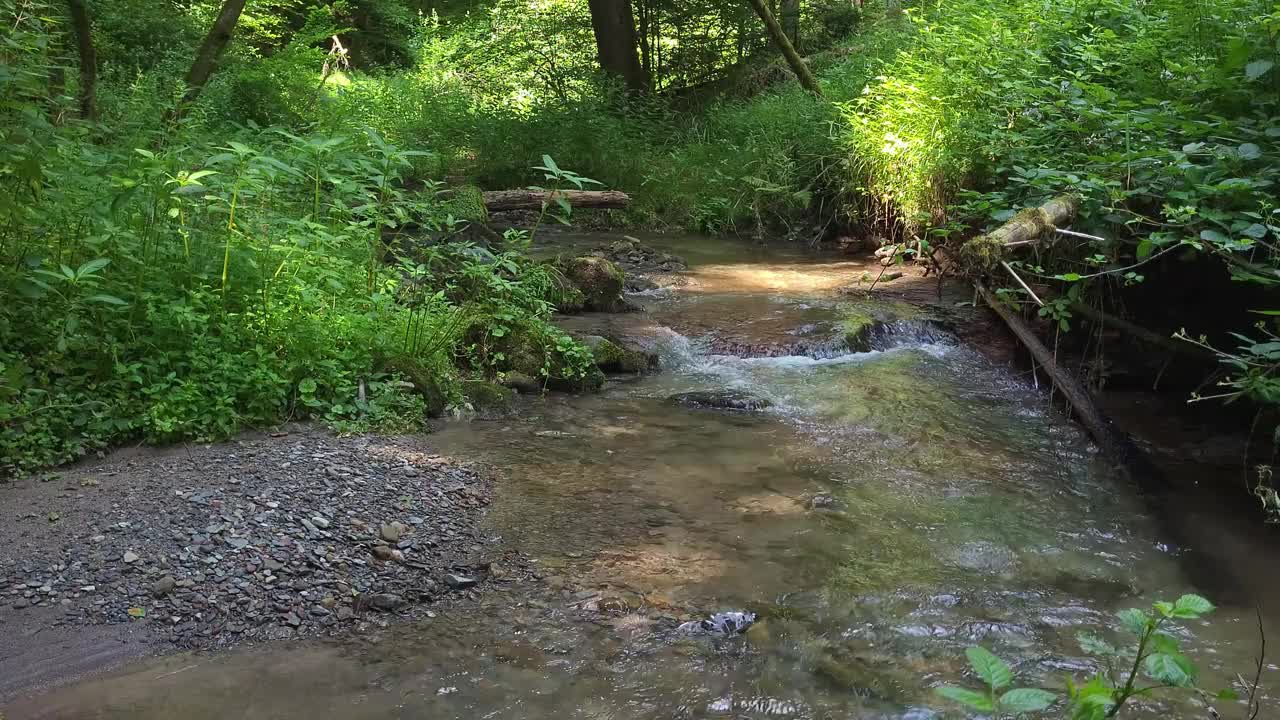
<point x="1024" y="700"/>
<point x="1213" y="236"/>
<point x="1133" y="620"/>
<point x="1256" y="231"/>
<point x="1249" y="151"/>
<point x="1227" y="694"/>
<point x="1191" y="606"/>
<point x="550" y="164"/>
<point x="105" y="299"/>
<point x="1257" y="69"/>
<point x="92" y="266"/>
<point x="993" y="671"/>
<point x="1069" y="277"/>
<point x="975" y="700"/>
<point x="1170" y="669"/>
<point x="1144" y="249"/>
<point x="1095" y="645"/>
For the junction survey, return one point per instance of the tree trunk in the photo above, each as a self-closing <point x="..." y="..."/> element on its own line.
<point x="806" y="78"/>
<point x="615" y="31"/>
<point x="83" y="31"/>
<point x="791" y="21"/>
<point x="210" y="50"/>
<point x="497" y="200"/>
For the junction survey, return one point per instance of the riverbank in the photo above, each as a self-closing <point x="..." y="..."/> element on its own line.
<point x="267" y="537"/>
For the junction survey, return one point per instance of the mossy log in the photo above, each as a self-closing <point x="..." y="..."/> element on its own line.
<point x="500" y="200"/>
<point x="1029" y="226"/>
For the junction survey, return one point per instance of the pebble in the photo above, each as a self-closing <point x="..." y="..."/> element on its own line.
<point x="130" y="557"/>
<point x="163" y="586"/>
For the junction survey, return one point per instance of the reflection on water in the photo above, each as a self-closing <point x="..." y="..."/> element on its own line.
<point x="889" y="509"/>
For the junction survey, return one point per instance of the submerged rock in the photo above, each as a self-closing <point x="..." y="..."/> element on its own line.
<point x="721" y="624"/>
<point x="720" y="400"/>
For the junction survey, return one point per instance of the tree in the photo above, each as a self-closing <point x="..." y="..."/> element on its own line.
<point x="806" y="78"/>
<point x="615" y="32"/>
<point x="210" y="50"/>
<point x="82" y="29"/>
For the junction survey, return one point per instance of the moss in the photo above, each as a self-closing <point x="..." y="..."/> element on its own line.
<point x="856" y="327"/>
<point x="466" y="202"/>
<point x="437" y="387"/>
<point x="610" y="356"/>
<point x="540" y="351"/>
<point x="599" y="280"/>
<point x="859" y="318"/>
<point x="485" y="395"/>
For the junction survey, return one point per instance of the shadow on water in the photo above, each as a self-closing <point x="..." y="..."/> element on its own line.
<point x="889" y="509"/>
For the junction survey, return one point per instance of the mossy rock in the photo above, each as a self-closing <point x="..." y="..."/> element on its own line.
<point x="600" y="281"/>
<point x="611" y="356"/>
<point x="531" y="351"/>
<point x="437" y="388"/>
<point x="860" y="319"/>
<point x="485" y="395"/>
<point x="466" y="202"/>
<point x="522" y="383"/>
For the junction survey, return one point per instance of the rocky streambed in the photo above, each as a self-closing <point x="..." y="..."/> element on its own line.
<point x="266" y="537"/>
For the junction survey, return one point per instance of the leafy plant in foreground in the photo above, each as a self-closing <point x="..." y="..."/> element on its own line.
<point x="996" y="699"/>
<point x="1153" y="662"/>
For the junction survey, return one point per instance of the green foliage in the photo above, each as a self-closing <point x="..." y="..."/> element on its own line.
<point x="186" y="285"/>
<point x="997" y="676"/>
<point x="1154" y="660"/>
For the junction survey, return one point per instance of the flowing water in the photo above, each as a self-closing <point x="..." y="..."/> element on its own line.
<point x="889" y="509"/>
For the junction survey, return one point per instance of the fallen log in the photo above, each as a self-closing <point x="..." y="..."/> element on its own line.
<point x="1115" y="444"/>
<point x="1027" y="227"/>
<point x="500" y="200"/>
<point x="987" y="252"/>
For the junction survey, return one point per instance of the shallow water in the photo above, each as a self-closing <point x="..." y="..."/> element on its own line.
<point x="889" y="509"/>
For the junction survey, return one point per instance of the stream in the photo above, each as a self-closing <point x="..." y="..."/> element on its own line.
<point x="887" y="509"/>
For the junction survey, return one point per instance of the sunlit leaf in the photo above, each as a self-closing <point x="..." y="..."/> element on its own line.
<point x="991" y="669"/>
<point x="975" y="700"/>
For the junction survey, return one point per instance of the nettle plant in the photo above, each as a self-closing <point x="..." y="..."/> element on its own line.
<point x="1152" y="663"/>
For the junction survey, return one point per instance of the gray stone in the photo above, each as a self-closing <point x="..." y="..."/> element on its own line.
<point x="163" y="586"/>
<point x="130" y="557"/>
<point x="386" y="601"/>
<point x="460" y="582"/>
